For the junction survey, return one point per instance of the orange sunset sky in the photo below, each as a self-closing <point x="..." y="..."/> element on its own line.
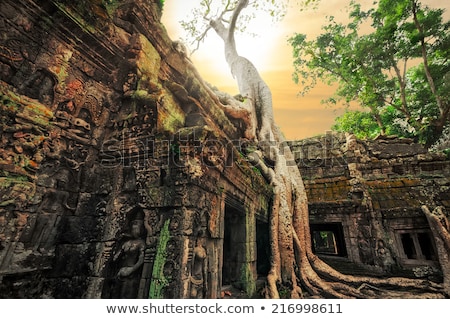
<point x="297" y="116"/>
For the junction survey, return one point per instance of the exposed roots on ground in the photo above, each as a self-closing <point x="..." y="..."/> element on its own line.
<point x="312" y="274"/>
<point x="294" y="267"/>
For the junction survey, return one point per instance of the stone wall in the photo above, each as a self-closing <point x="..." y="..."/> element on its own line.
<point x="369" y="194"/>
<point x="120" y="176"/>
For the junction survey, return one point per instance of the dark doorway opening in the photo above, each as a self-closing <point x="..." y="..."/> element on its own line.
<point x="262" y="248"/>
<point x="328" y="239"/>
<point x="234" y="242"/>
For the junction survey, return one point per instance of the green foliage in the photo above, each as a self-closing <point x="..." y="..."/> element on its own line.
<point x="399" y="70"/>
<point x="161" y="4"/>
<point x="362" y="124"/>
<point x="175" y="148"/>
<point x="256" y="170"/>
<point x="447" y="152"/>
<point x="159" y="281"/>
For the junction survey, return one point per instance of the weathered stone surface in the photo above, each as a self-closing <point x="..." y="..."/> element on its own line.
<point x="118" y="166"/>
<point x="367" y="191"/>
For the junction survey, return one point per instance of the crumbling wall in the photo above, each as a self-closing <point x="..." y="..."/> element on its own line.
<point x="375" y="190"/>
<point x="116" y="160"/>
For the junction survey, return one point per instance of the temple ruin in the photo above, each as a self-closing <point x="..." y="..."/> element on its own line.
<point x="359" y="190"/>
<point x="121" y="176"/>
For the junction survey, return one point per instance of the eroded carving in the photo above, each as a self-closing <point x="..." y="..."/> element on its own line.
<point x="130" y="258"/>
<point x="383" y="256"/>
<point x="41" y="86"/>
<point x="199" y="265"/>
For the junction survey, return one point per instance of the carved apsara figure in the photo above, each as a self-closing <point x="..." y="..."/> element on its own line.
<point x="199" y="268"/>
<point x="384" y="258"/>
<point x="131" y="258"/>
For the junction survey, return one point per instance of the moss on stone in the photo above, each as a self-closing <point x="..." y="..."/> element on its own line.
<point x="72" y="11"/>
<point x="159" y="281"/>
<point x="148" y="63"/>
<point x="246" y="279"/>
<point x="170" y="116"/>
<point x="61" y="73"/>
<point x="111" y="6"/>
<point x="15" y="189"/>
<point x="25" y="108"/>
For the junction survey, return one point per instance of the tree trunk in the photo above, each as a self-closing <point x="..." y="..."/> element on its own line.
<point x="442" y="103"/>
<point x="440" y="226"/>
<point x="293" y="264"/>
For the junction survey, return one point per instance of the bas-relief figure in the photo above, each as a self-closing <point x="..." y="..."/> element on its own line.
<point x="383" y="256"/>
<point x="199" y="266"/>
<point x="130" y="259"/>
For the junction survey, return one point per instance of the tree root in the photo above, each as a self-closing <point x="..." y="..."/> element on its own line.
<point x="325" y="281"/>
<point x="293" y="264"/>
<point x="440" y="227"/>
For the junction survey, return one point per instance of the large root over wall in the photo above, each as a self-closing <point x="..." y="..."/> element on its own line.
<point x="294" y="267"/>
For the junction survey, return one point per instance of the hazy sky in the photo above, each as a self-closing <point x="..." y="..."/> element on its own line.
<point x="297" y="116"/>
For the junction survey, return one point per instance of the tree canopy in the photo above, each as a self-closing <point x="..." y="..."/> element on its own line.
<point x="393" y="60"/>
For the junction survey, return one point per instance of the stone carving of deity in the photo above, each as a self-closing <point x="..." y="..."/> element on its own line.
<point x="131" y="258"/>
<point x="198" y="276"/>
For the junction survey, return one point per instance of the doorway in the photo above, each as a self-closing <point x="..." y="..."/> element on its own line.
<point x="328" y="239"/>
<point x="234" y="243"/>
<point x="262" y="248"/>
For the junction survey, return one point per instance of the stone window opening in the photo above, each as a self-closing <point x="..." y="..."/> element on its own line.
<point x="328" y="239"/>
<point x="416" y="245"/>
<point x="325" y="242"/>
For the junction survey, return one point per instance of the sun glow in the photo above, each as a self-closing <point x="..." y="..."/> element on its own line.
<point x="254" y="44"/>
<point x="259" y="47"/>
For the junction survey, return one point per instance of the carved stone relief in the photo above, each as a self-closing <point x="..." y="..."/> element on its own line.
<point x="129" y="258"/>
<point x="199" y="265"/>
